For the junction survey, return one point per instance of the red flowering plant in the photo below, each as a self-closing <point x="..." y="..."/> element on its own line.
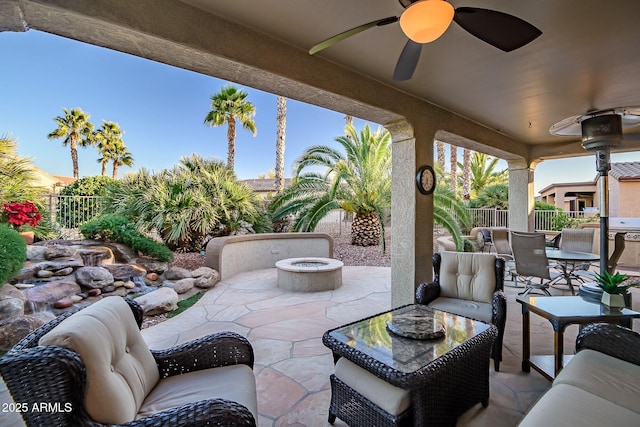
<point x="20" y="213"/>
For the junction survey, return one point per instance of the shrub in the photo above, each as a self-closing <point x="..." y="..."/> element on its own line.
<point x="13" y="253"/>
<point x="117" y="228"/>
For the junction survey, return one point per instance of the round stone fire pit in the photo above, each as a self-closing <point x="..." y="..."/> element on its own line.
<point x="309" y="274"/>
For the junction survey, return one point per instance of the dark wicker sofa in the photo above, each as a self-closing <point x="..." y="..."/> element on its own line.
<point x="39" y="374"/>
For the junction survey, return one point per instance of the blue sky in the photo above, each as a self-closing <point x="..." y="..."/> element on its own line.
<point x="161" y="109"/>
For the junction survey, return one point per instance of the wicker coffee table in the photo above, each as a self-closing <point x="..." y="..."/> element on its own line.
<point x="445" y="376"/>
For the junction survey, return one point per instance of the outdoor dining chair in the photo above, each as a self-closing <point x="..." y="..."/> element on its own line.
<point x="531" y="261"/>
<point x="500" y="239"/>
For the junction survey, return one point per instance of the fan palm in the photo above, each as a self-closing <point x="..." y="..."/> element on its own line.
<point x="108" y="137"/>
<point x="357" y="180"/>
<point x="228" y="107"/>
<point x="120" y="156"/>
<point x="280" y="142"/>
<point x="76" y="129"/>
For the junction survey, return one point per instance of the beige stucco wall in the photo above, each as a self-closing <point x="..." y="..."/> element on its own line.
<point x="628" y="200"/>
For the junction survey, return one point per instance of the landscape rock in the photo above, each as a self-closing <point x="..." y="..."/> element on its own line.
<point x="63" y="303"/>
<point x="152" y="266"/>
<point x="11" y="307"/>
<point x="182" y="285"/>
<point x="152" y="276"/>
<point x="159" y="301"/>
<point x="203" y="271"/>
<point x="35" y="253"/>
<point x="94" y="277"/>
<point x="94" y="292"/>
<point x="207" y="281"/>
<point x="51" y="292"/>
<point x="43" y="274"/>
<point x="62" y="272"/>
<point x="59" y="251"/>
<point x="129" y="284"/>
<point x="124" y="272"/>
<point x="74" y="299"/>
<point x="118" y="283"/>
<point x="24" y="285"/>
<point x="9" y="292"/>
<point x="177" y="273"/>
<point x="15" y="328"/>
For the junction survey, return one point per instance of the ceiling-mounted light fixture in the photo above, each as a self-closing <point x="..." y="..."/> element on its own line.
<point x="424" y="21"/>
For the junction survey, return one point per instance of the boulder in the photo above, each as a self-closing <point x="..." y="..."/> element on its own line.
<point x="152" y="266"/>
<point x="11" y="307"/>
<point x="182" y="285"/>
<point x="207" y="281"/>
<point x="177" y="273"/>
<point x="63" y="271"/>
<point x="51" y="292"/>
<point x="15" y="328"/>
<point x="94" y="277"/>
<point x="124" y="272"/>
<point x="35" y="253"/>
<point x="159" y="301"/>
<point x="9" y="292"/>
<point x="203" y="271"/>
<point x="59" y="251"/>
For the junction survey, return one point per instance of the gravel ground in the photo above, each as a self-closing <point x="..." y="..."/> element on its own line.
<point x="342" y="249"/>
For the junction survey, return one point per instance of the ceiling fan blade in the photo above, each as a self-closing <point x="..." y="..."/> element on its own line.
<point x="499" y="29"/>
<point x="352" y="32"/>
<point x="408" y="61"/>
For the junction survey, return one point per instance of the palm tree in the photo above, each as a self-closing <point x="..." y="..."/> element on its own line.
<point x="466" y="174"/>
<point x="17" y="175"/>
<point x="120" y="156"/>
<point x="440" y="149"/>
<point x="357" y="180"/>
<point x="483" y="173"/>
<point x="280" y="142"/>
<point x="228" y="107"/>
<point x="454" y="168"/>
<point x="76" y="129"/>
<point x="107" y="137"/>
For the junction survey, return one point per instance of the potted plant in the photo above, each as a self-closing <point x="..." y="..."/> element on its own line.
<point x="612" y="288"/>
<point x="22" y="213"/>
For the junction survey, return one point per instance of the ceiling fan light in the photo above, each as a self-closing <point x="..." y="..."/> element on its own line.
<point x="424" y="21"/>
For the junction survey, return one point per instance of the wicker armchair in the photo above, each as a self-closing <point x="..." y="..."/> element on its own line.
<point x="128" y="384"/>
<point x="471" y="285"/>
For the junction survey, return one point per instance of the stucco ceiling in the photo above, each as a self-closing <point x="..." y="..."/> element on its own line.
<point x="585" y="59"/>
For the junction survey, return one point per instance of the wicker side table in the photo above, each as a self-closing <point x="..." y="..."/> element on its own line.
<point x="445" y="377"/>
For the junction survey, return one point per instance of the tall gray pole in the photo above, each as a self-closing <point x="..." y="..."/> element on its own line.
<point x="603" y="166"/>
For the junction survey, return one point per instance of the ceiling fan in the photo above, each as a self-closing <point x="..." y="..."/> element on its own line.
<point x="600" y="129"/>
<point x="423" y="21"/>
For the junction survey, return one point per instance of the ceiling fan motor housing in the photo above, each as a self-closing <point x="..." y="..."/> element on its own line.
<point x="602" y="132"/>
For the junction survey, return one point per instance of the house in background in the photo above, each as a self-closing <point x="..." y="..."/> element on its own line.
<point x="265" y="187"/>
<point x="624" y="186"/>
<point x="53" y="183"/>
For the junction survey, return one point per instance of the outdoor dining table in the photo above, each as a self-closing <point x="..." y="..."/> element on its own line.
<point x="568" y="261"/>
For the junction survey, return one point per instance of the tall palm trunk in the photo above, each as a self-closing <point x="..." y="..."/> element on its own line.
<point x="466" y="174"/>
<point x="115" y="169"/>
<point x="454" y="168"/>
<point x="74" y="155"/>
<point x="280" y="142"/>
<point x="104" y="168"/>
<point x="365" y="229"/>
<point x="231" y="139"/>
<point x="440" y="149"/>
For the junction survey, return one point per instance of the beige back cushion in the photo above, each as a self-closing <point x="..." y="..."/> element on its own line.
<point x="467" y="275"/>
<point x="120" y="368"/>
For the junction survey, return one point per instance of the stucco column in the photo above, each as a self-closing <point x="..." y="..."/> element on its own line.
<point x="521" y="196"/>
<point x="411" y="213"/>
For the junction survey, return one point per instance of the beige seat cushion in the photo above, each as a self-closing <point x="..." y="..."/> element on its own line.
<point x="391" y="399"/>
<point x="468" y="276"/>
<point x="568" y="406"/>
<point x="236" y="383"/>
<point x="471" y="309"/>
<point x="605" y="376"/>
<point x="121" y="370"/>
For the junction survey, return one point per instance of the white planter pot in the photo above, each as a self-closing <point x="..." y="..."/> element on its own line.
<point x="613" y="300"/>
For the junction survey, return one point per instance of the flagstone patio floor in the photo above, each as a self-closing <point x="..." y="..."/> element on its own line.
<point x="292" y="366"/>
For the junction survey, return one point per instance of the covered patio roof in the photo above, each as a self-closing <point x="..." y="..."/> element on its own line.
<point x="463" y="91"/>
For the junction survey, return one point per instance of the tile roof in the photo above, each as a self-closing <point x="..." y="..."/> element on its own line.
<point x="625" y="171"/>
